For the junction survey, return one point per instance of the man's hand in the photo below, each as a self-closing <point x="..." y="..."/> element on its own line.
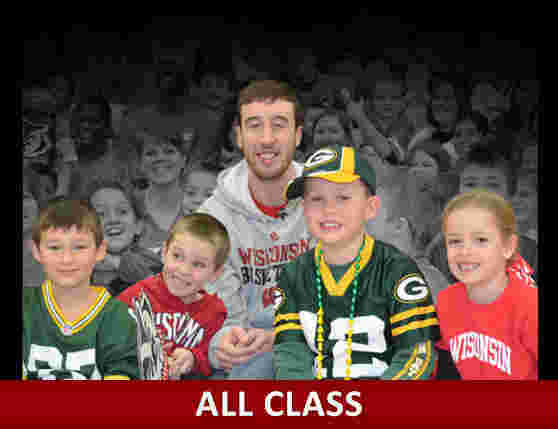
<point x="238" y="345"/>
<point x="181" y="361"/>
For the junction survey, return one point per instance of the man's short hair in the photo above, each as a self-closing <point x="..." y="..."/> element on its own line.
<point x="271" y="90"/>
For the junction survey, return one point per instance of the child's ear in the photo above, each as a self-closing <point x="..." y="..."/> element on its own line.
<point x="36" y="252"/>
<point x="101" y="251"/>
<point x="512" y="246"/>
<point x="139" y="227"/>
<point x="218" y="273"/>
<point x="373" y="207"/>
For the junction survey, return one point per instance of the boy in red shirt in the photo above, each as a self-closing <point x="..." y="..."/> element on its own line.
<point x="185" y="314"/>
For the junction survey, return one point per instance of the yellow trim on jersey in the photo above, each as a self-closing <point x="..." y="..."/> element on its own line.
<point x="116" y="377"/>
<point x="339" y="289"/>
<point x="414" y="325"/>
<point x="407" y="364"/>
<point x="288" y="326"/>
<point x="82" y="321"/>
<point x="427" y="360"/>
<point x="412" y="312"/>
<point x="286" y="316"/>
<point x="413" y="358"/>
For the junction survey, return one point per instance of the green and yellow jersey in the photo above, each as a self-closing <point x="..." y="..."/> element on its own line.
<point x="101" y="344"/>
<point x="395" y="324"/>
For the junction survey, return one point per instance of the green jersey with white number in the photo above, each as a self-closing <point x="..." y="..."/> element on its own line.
<point x="100" y="344"/>
<point x="393" y="311"/>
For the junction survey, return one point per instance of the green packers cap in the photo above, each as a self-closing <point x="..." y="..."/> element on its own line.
<point x="339" y="164"/>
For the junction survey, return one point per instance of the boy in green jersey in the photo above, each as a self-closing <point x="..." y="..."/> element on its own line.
<point x="352" y="307"/>
<point x="72" y="329"/>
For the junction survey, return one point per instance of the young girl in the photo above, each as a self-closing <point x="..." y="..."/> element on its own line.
<point x="489" y="319"/>
<point x="128" y="260"/>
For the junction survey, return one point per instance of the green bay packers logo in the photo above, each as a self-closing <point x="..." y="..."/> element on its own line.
<point x="320" y="157"/>
<point x="273" y="296"/>
<point x="410" y="289"/>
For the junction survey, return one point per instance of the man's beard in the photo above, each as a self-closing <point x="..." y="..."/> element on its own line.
<point x="269" y="176"/>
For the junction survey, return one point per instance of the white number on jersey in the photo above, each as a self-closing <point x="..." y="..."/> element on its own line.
<point x="54" y="358"/>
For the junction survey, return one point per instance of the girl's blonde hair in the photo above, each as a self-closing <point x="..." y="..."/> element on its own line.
<point x="491" y="201"/>
<point x="206" y="228"/>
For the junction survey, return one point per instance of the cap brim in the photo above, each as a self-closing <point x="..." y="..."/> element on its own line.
<point x="295" y="188"/>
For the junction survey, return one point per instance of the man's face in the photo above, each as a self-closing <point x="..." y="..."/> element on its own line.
<point x="268" y="137"/>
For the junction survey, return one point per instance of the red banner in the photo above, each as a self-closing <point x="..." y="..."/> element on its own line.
<point x="411" y="404"/>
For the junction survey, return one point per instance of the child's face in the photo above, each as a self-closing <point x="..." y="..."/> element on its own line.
<point x="328" y="131"/>
<point x="466" y="135"/>
<point x="444" y="104"/>
<point x="391" y="229"/>
<point x="477" y="249"/>
<point x="117" y="217"/>
<point x="336" y="213"/>
<point x="90" y="124"/>
<point x="312" y="113"/>
<point x="30" y="210"/>
<point x="189" y="263"/>
<point x="68" y="256"/>
<point x="423" y="167"/>
<point x="161" y="162"/>
<point x="525" y="201"/>
<point x="491" y="178"/>
<point x="198" y="188"/>
<point x="387" y="100"/>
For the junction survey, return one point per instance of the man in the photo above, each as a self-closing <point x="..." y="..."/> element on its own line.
<point x="265" y="232"/>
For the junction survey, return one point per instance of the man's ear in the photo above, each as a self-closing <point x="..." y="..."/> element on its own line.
<point x="298" y="135"/>
<point x="238" y="134"/>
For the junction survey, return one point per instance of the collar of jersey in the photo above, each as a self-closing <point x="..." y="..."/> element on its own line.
<point x="338" y="289"/>
<point x="82" y="321"/>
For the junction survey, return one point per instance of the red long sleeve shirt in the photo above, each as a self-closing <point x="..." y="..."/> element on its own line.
<point x="491" y="341"/>
<point x="185" y="325"/>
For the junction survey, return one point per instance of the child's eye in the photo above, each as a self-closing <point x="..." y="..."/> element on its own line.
<point x="124" y="212"/>
<point x="482" y="240"/>
<point x="198" y="265"/>
<point x="454" y="242"/>
<point x="53" y="248"/>
<point x="177" y="256"/>
<point x="344" y="197"/>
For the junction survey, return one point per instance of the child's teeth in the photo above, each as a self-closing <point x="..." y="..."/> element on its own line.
<point x="468" y="267"/>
